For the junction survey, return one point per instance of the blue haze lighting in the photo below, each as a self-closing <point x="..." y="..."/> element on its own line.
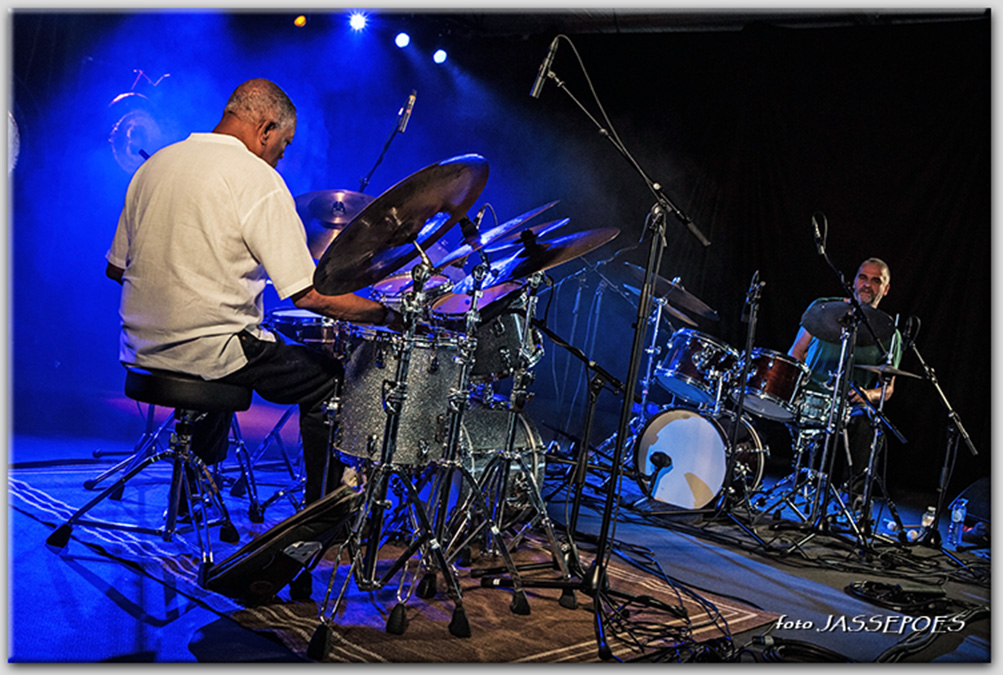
<point x="402" y="40"/>
<point x="357" y="21"/>
<point x="439" y="56"/>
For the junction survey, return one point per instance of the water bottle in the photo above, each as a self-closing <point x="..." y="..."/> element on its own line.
<point x="929" y="517"/>
<point x="959" y="509"/>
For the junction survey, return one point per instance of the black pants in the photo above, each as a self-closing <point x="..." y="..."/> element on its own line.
<point x="284" y="374"/>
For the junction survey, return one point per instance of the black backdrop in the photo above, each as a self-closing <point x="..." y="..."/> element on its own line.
<point x="885" y="129"/>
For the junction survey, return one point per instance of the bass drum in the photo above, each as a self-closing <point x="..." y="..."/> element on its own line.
<point x="482" y="438"/>
<point x="681" y="457"/>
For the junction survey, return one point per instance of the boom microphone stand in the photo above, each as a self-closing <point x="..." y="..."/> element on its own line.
<point x="596" y="583"/>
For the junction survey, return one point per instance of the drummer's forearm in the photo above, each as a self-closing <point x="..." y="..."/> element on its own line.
<point x="346" y="307"/>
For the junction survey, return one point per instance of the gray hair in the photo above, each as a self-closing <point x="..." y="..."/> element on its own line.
<point x="258" y="99"/>
<point x="880" y="263"/>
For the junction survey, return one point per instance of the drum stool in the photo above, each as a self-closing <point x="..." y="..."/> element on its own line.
<point x="190" y="397"/>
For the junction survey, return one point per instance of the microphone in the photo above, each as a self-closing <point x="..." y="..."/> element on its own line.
<point x="541" y="74"/>
<point x="405" y="112"/>
<point x="469" y="229"/>
<point x="819" y="242"/>
<point x="751" y="296"/>
<point x="910" y="332"/>
<point x="660" y="460"/>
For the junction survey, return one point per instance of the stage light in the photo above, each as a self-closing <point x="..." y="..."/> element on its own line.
<point x="357" y="21"/>
<point x="299" y="21"/>
<point x="439" y="56"/>
<point x="402" y="40"/>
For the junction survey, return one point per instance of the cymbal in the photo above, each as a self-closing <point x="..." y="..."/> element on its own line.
<point x="326" y="212"/>
<point x="889" y="370"/>
<point x="480" y="240"/>
<point x="379" y="240"/>
<point x="825" y="321"/>
<point x="543" y="255"/>
<point x="669" y="309"/>
<point x="510" y="243"/>
<point x="673" y="292"/>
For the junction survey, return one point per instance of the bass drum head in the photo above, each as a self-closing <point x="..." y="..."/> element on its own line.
<point x="681" y="458"/>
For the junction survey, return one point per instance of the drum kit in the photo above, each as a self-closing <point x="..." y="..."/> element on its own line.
<point x="445" y="463"/>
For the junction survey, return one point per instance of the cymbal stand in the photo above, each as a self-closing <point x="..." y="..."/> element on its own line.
<point x="871" y="476"/>
<point x="364" y="538"/>
<point x="600" y="379"/>
<point x="450" y="464"/>
<point x="956" y="432"/>
<point x="495" y="478"/>
<point x="824" y="488"/>
<point x="728" y="501"/>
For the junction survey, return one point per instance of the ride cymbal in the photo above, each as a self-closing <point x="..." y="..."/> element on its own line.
<point x="380" y="239"/>
<point x="825" y="320"/>
<point x="889" y="370"/>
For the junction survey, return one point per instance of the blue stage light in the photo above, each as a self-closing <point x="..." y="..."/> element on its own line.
<point x="439" y="56"/>
<point x="402" y="40"/>
<point x="357" y="21"/>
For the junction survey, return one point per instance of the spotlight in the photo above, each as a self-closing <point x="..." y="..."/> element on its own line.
<point x="439" y="56"/>
<point x="299" y="21"/>
<point x="357" y="21"/>
<point x="402" y="40"/>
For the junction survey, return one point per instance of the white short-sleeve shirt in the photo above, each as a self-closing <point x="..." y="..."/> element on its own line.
<point x="205" y="223"/>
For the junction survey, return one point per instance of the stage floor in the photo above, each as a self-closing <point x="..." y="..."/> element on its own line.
<point x="93" y="603"/>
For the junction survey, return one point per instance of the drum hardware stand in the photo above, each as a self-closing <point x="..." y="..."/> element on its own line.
<point x="459" y="401"/>
<point x="595" y="582"/>
<point x="247" y="481"/>
<point x="149" y="435"/>
<point x="750" y="315"/>
<point x="956" y="432"/>
<point x="496" y="475"/>
<point x="368" y="525"/>
<point x="599" y="380"/>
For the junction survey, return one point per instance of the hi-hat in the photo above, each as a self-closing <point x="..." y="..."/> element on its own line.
<point x="889" y="370"/>
<point x="542" y="255"/>
<point x="825" y="320"/>
<point x="380" y="239"/>
<point x="477" y="241"/>
<point x="326" y="212"/>
<point x="672" y="291"/>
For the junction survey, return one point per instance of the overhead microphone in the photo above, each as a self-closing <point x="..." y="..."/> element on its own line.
<point x="470" y="229"/>
<point x="754" y="286"/>
<point x="541" y="74"/>
<point x="819" y="242"/>
<point x="405" y="112"/>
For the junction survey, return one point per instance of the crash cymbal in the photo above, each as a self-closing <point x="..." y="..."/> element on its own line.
<point x="825" y="321"/>
<point x="889" y="370"/>
<point x="326" y="212"/>
<point x="542" y="255"/>
<point x="481" y="239"/>
<point x="510" y="243"/>
<point x="672" y="291"/>
<point x="378" y="241"/>
<point x="669" y="309"/>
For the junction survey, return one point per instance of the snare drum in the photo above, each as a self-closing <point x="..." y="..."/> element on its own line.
<point x="371" y="363"/>
<point x="813" y="413"/>
<point x="694" y="363"/>
<point x="500" y="334"/>
<point x="681" y="457"/>
<point x="390" y="291"/>
<point x="774" y="385"/>
<point x="313" y="330"/>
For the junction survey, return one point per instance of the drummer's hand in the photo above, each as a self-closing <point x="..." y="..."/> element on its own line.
<point x="394" y="320"/>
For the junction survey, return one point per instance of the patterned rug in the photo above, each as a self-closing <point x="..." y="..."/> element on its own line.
<point x="550" y="633"/>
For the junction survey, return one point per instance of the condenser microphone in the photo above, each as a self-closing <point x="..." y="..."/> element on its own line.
<point x="819" y="243"/>
<point x="405" y="113"/>
<point x="660" y="460"/>
<point x="541" y="75"/>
